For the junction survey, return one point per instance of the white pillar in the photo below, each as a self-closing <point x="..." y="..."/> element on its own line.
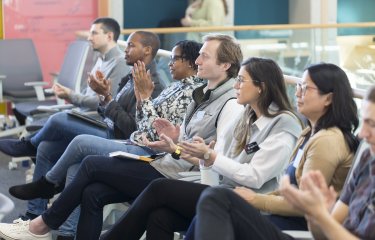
<point x="116" y="11"/>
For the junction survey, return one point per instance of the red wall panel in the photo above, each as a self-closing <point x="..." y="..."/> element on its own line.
<point x="50" y="23"/>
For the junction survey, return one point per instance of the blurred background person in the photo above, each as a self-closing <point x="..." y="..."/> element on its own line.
<point x="203" y="13"/>
<point x="199" y="13"/>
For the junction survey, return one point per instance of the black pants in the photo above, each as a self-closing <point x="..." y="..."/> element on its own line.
<point x="222" y="214"/>
<point x="99" y="181"/>
<point x="164" y="207"/>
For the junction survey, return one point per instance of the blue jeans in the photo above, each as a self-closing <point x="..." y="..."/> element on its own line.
<point x="69" y="162"/>
<point x="85" y="145"/>
<point x="51" y="141"/>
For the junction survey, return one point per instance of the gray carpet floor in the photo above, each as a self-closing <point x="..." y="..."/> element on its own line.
<point x="9" y="178"/>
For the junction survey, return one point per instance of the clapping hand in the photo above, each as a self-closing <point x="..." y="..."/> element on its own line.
<point x="313" y="198"/>
<point x="165" y="127"/>
<point x="142" y="80"/>
<point x="165" y="144"/>
<point x="196" y="148"/>
<point x="99" y="84"/>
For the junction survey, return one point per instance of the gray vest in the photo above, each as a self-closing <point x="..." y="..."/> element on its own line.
<point x="199" y="121"/>
<point x="283" y="122"/>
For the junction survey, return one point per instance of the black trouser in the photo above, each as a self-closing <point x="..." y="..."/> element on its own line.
<point x="164" y="207"/>
<point x="99" y="181"/>
<point x="222" y="214"/>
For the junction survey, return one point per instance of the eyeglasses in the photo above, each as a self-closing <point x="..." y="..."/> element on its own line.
<point x="303" y="88"/>
<point x="239" y="80"/>
<point x="174" y="58"/>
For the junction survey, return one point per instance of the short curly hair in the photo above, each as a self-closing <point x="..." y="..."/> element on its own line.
<point x="189" y="51"/>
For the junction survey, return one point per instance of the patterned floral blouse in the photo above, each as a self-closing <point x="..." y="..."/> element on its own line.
<point x="171" y="104"/>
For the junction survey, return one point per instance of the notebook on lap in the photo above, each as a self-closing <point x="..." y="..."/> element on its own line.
<point x="88" y="118"/>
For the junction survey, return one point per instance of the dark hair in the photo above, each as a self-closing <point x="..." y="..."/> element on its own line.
<point x="149" y="39"/>
<point x="370" y="94"/>
<point x="342" y="112"/>
<point x="229" y="51"/>
<point x="109" y="25"/>
<point x="266" y="75"/>
<point x="189" y="51"/>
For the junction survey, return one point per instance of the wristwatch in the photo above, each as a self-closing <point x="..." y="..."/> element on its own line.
<point x="104" y="97"/>
<point x="206" y="155"/>
<point x="177" y="153"/>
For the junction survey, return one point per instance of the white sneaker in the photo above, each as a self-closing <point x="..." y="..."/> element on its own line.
<point x="19" y="230"/>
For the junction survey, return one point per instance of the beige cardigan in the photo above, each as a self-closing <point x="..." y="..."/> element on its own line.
<point x="326" y="151"/>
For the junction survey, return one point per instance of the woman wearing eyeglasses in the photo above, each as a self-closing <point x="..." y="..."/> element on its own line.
<point x="328" y="145"/>
<point x="253" y="151"/>
<point x="325" y="98"/>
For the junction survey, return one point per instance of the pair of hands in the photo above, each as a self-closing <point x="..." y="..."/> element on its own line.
<point x="168" y="135"/>
<point x="143" y="84"/>
<point x="100" y="84"/>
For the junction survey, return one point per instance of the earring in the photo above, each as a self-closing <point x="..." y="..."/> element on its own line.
<point x="259" y="91"/>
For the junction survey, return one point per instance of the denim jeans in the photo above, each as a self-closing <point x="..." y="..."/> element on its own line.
<point x="68" y="164"/>
<point x="99" y="181"/>
<point x="63" y="127"/>
<point x="51" y="141"/>
<point x="85" y="145"/>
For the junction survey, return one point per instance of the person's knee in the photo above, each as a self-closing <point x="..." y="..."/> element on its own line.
<point x="57" y="118"/>
<point x="212" y="194"/>
<point x="81" y="141"/>
<point x="157" y="185"/>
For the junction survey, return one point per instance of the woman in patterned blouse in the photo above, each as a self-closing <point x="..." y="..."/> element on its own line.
<point x="171" y="104"/>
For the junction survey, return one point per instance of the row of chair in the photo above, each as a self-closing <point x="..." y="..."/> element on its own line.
<point x="21" y="72"/>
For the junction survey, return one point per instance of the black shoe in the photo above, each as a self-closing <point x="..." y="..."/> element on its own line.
<point x="28" y="216"/>
<point x="64" y="237"/>
<point x="17" y="148"/>
<point x="38" y="189"/>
